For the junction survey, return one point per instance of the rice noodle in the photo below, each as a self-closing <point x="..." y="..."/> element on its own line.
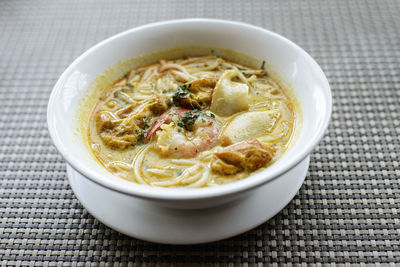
<point x="149" y="73"/>
<point x="203" y="180"/>
<point x="159" y="172"/>
<point x="183" y="76"/>
<point x="177" y="180"/>
<point x="137" y="164"/>
<point x="242" y="78"/>
<point x="126" y="97"/>
<point x="119" y="165"/>
<point x="183" y="161"/>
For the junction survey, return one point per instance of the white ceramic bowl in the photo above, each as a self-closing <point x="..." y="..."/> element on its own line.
<point x="291" y="62"/>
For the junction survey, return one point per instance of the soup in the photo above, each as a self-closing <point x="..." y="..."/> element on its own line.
<point x="191" y="122"/>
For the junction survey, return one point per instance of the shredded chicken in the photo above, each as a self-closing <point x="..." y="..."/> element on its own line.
<point x="221" y="167"/>
<point x="117" y="133"/>
<point x="246" y="155"/>
<point x="198" y="94"/>
<point x="120" y="133"/>
<point x="158" y="104"/>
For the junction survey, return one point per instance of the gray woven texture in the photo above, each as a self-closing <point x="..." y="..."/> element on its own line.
<point x="347" y="211"/>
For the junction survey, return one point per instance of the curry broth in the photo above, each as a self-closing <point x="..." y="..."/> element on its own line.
<point x="203" y="141"/>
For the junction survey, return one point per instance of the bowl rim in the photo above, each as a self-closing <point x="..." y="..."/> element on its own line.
<point x="176" y="194"/>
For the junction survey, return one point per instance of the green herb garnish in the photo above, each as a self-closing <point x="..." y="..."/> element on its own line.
<point x="142" y="136"/>
<point x="190" y="117"/>
<point x="181" y="124"/>
<point x="182" y="91"/>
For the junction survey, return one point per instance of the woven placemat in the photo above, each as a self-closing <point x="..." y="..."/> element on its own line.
<point x="348" y="209"/>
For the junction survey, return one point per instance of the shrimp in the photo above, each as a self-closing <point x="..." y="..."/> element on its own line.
<point x="184" y="133"/>
<point x="164" y="118"/>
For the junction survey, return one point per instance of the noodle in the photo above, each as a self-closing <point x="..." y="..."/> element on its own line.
<point x="149" y="73"/>
<point x="178" y="179"/>
<point x="165" y="67"/>
<point x="203" y="180"/>
<point x="182" y="161"/>
<point x="183" y="75"/>
<point x="159" y="172"/>
<point x="137" y="165"/>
